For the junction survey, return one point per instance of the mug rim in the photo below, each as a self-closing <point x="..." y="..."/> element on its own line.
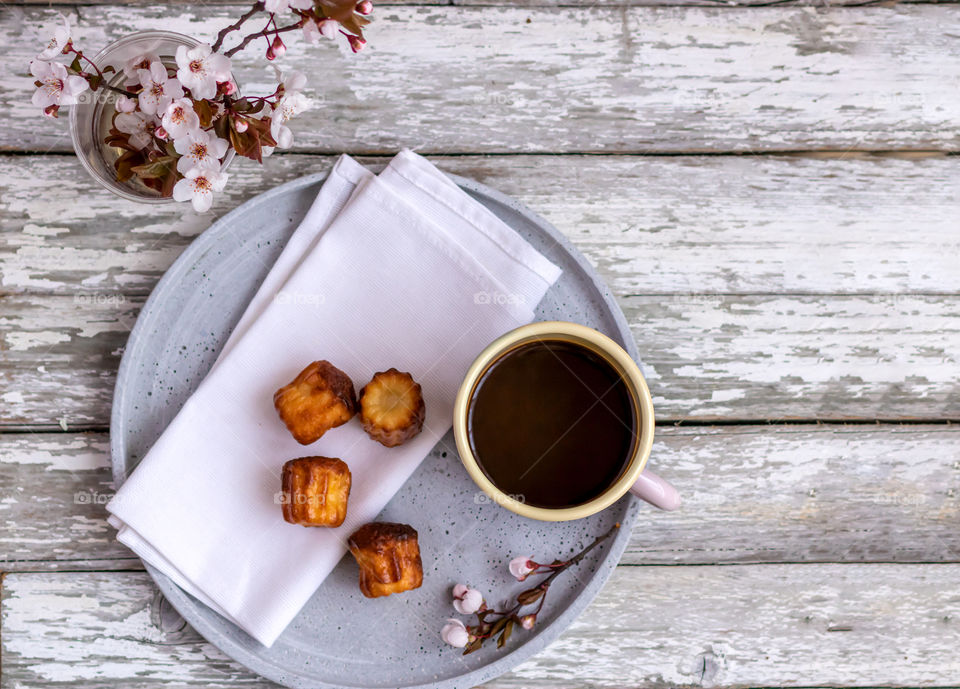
<point x="599" y="344"/>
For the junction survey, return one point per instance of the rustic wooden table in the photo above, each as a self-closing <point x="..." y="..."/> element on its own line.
<point x="768" y="190"/>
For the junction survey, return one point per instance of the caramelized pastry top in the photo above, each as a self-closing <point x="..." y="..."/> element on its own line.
<point x="392" y="408"/>
<point x="321" y="397"/>
<point x="388" y="555"/>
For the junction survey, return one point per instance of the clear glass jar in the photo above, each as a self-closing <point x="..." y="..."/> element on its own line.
<point x="91" y="117"/>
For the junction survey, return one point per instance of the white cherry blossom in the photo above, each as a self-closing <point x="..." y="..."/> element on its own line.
<point x="199" y="69"/>
<point x="179" y="118"/>
<point x="138" y="125"/>
<point x="200" y="149"/>
<point x="455" y="633"/>
<point x="284" y="5"/>
<point x="329" y="28"/>
<point x="132" y="67"/>
<point x="313" y="31"/>
<point x="198" y="185"/>
<point x="466" y="600"/>
<point x="124" y="104"/>
<point x="60" y="40"/>
<point x="57" y="87"/>
<point x="292" y="82"/>
<point x="158" y="89"/>
<point x="289" y="106"/>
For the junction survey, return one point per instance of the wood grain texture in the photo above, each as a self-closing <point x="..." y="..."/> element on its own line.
<point x="751" y="494"/>
<point x="383" y="6"/>
<point x="706" y="357"/>
<point x="737" y="626"/>
<point x="466" y="79"/>
<point x="651" y="225"/>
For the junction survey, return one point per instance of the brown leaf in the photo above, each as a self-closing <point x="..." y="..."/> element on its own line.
<point x="125" y="163"/>
<point x="222" y="127"/>
<point x="156" y="169"/>
<point x="498" y="626"/>
<point x="205" y="111"/>
<point x="247" y="144"/>
<point x="530" y="596"/>
<point x="508" y="628"/>
<point x="166" y="190"/>
<point x="345" y="12"/>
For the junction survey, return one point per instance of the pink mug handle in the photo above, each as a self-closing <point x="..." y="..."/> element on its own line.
<point x="656" y="491"/>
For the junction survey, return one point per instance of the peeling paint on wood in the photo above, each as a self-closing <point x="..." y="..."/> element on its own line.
<point x="470" y="80"/>
<point x="706" y="357"/>
<point x="737" y="626"/>
<point x="663" y="225"/>
<point x="751" y="494"/>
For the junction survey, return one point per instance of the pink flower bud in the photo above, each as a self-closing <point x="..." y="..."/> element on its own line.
<point x="125" y="104"/>
<point x="328" y="28"/>
<point x="51" y="111"/>
<point x="365" y="7"/>
<point x="270" y="54"/>
<point x="527" y="621"/>
<point x="356" y="43"/>
<point x="278" y="47"/>
<point x="160" y="133"/>
<point x="455" y="633"/>
<point x="240" y="125"/>
<point x="228" y="88"/>
<point x="466" y="600"/>
<point x="521" y="567"/>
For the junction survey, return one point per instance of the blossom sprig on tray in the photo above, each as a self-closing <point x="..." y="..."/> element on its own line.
<point x="491" y="623"/>
<point x="177" y="117"/>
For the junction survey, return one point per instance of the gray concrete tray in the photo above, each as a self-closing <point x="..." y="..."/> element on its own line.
<point x="341" y="639"/>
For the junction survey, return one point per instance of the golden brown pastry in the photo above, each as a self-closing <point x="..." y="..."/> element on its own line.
<point x="391" y="407"/>
<point x="315" y="491"/>
<point x="320" y="398"/>
<point x="389" y="558"/>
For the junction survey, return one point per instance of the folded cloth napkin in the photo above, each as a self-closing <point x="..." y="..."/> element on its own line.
<point x="402" y="269"/>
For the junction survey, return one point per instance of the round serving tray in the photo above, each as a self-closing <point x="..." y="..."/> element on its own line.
<point x="340" y="639"/>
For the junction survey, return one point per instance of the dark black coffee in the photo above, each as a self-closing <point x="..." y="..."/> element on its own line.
<point x="552" y="424"/>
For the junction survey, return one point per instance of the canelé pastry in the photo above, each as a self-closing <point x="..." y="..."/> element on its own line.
<point x="320" y="398"/>
<point x="315" y="491"/>
<point x="391" y="407"/>
<point x="389" y="558"/>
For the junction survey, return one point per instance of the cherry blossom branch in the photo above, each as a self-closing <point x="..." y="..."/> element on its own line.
<point x="257" y="7"/>
<point x="176" y="125"/>
<point x="266" y="31"/>
<point x="500" y="623"/>
<point x="103" y="80"/>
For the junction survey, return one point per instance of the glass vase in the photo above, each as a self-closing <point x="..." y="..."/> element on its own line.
<point x="92" y="116"/>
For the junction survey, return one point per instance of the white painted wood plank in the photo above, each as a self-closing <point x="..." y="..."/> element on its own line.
<point x="467" y="79"/>
<point x="706" y="358"/>
<point x="737" y="626"/>
<point x="751" y="494"/>
<point x="651" y="225"/>
<point x="726" y="4"/>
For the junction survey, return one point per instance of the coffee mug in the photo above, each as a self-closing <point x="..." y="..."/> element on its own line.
<point x="634" y="477"/>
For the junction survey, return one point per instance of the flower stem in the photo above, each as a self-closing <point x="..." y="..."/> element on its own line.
<point x="257" y="6"/>
<point x="266" y="31"/>
<point x="103" y="79"/>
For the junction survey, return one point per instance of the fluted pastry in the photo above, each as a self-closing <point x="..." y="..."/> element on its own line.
<point x="392" y="408"/>
<point x="321" y="397"/>
<point x="315" y="491"/>
<point x="388" y="555"/>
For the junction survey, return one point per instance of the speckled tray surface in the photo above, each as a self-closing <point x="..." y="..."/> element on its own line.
<point x="341" y="639"/>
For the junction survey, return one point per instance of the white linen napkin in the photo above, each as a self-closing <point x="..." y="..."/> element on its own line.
<point x="402" y="270"/>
